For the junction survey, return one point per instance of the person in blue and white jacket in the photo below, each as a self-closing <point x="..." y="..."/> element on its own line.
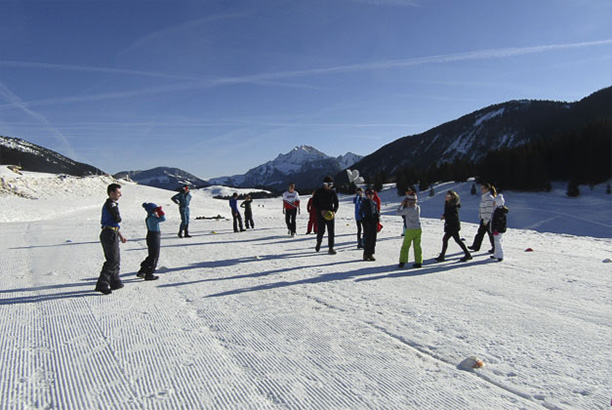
<point x="183" y="199"/>
<point x="155" y="215"/>
<point x="110" y="237"/>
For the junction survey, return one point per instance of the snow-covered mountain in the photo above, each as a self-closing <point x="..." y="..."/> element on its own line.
<point x="471" y="137"/>
<point x="304" y="165"/>
<point x="163" y="177"/>
<point x="32" y="157"/>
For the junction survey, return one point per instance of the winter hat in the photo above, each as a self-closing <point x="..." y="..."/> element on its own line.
<point x="499" y="200"/>
<point x="369" y="191"/>
<point x="328" y="179"/>
<point x="149" y="207"/>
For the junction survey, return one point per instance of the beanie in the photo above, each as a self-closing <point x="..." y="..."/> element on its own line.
<point x="149" y="207"/>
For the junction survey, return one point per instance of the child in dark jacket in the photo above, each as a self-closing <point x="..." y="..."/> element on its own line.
<point x="370" y="217"/>
<point x="248" y="212"/>
<point x="498" y="226"/>
<point x="452" y="225"/>
<point x="155" y="215"/>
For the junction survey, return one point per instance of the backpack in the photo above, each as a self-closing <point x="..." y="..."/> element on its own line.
<point x="500" y="220"/>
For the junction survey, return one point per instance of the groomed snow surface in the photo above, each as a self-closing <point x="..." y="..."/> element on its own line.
<point x="260" y="320"/>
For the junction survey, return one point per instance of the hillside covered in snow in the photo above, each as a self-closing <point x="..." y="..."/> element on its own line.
<point x="260" y="320"/>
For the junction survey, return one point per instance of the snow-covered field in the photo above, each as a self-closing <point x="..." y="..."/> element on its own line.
<point x="260" y="320"/>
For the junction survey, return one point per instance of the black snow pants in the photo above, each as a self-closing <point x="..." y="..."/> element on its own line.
<point x="109" y="276"/>
<point x="149" y="265"/>
<point x="323" y="223"/>
<point x="370" y="230"/>
<point x="482" y="229"/>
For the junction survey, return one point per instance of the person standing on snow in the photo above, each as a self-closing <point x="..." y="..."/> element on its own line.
<point x="412" y="212"/>
<point x="378" y="206"/>
<point x="410" y="190"/>
<point x="370" y="216"/>
<point x="312" y="216"/>
<point x="498" y="226"/>
<point x="155" y="215"/>
<point x="291" y="207"/>
<point x="248" y="212"/>
<point x="485" y="213"/>
<point x="452" y="225"/>
<point x="357" y="201"/>
<point x="325" y="201"/>
<point x="233" y="202"/>
<point x="110" y="237"/>
<point x="182" y="199"/>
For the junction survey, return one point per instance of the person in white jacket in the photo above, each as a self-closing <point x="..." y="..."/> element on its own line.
<point x="485" y="213"/>
<point x="412" y="213"/>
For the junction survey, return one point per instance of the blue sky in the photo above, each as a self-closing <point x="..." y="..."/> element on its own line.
<point x="218" y="87"/>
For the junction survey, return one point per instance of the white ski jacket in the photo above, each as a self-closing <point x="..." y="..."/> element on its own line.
<point x="486" y="207"/>
<point x="412" y="214"/>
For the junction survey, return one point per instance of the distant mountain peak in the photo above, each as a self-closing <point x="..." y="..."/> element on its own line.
<point x="304" y="165"/>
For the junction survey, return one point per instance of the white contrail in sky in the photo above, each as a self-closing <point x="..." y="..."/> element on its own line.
<point x="264" y="78"/>
<point x="16" y="102"/>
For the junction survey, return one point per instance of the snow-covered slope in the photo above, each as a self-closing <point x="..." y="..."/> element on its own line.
<point x="260" y="320"/>
<point x="32" y="157"/>
<point x="304" y="165"/>
<point x="163" y="177"/>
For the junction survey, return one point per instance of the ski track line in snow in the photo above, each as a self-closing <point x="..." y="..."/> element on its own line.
<point x="275" y="334"/>
<point x="252" y="348"/>
<point x="72" y="379"/>
<point x="319" y="301"/>
<point x="551" y="369"/>
<point x="113" y="356"/>
<point x="420" y="350"/>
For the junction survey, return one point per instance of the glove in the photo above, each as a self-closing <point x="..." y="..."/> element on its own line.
<point x="159" y="211"/>
<point x="495" y="233"/>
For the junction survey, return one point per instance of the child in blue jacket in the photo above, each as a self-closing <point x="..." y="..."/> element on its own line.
<point x="155" y="215"/>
